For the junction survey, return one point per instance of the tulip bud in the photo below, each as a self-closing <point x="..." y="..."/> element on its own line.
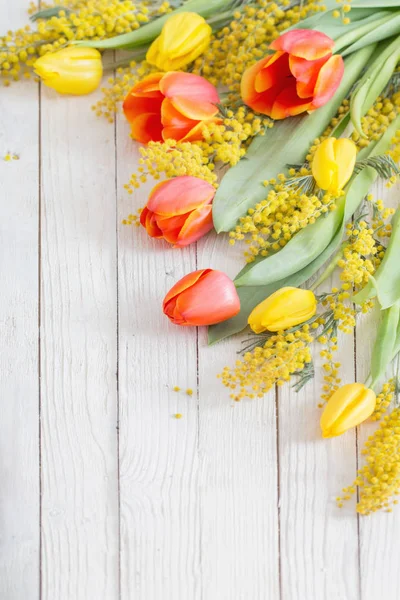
<point x="333" y="163"/>
<point x="72" y="70"/>
<point x="179" y="210"/>
<point x="184" y="37"/>
<point x="285" y="308"/>
<point x="204" y="297"/>
<point x="349" y="406"/>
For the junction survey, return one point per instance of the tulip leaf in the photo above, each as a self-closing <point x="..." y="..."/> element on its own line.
<point x="383" y="29"/>
<point x="309" y="242"/>
<point x="386" y="281"/>
<point x="384" y="347"/>
<point x="374" y="81"/>
<point x="288" y="142"/>
<point x="148" y="32"/>
<point x="250" y="296"/>
<point x="47" y="13"/>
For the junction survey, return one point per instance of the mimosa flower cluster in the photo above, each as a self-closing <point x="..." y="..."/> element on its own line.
<point x="75" y="20"/>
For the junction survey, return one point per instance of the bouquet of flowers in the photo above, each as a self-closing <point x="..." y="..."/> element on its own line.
<point x="269" y="122"/>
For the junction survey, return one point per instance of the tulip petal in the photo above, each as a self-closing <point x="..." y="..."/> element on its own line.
<point x="180" y="195"/>
<point x="288" y="103"/>
<point x="147" y="128"/>
<point x="148" y="220"/>
<point x="186" y="282"/>
<point x="198" y="223"/>
<point x="134" y="106"/>
<point x="345" y="154"/>
<point x="176" y="126"/>
<point x="304" y="43"/>
<point x="189" y="86"/>
<point x="212" y="300"/>
<point x="149" y="86"/>
<point x="349" y="406"/>
<point x="324" y="167"/>
<point x="328" y="80"/>
<point x="306" y="73"/>
<point x="247" y="84"/>
<point x="192" y="109"/>
<point x="273" y="72"/>
<point x="171" y="227"/>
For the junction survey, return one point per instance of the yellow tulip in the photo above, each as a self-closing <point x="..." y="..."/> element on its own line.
<point x="183" y="38"/>
<point x="72" y="70"/>
<point x="333" y="164"/>
<point x="285" y="308"/>
<point x="349" y="406"/>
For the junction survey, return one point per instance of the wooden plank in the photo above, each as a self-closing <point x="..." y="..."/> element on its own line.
<point x="160" y="536"/>
<point x="380" y="532"/>
<point x="319" y="543"/>
<point x="78" y="352"/>
<point x="19" y="380"/>
<point x="238" y="469"/>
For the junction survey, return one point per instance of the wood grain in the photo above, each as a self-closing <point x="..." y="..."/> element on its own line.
<point x="234" y="501"/>
<point x="19" y="377"/>
<point x="160" y="534"/>
<point x="238" y="469"/>
<point x="319" y="542"/>
<point x="380" y="532"/>
<point x="78" y="353"/>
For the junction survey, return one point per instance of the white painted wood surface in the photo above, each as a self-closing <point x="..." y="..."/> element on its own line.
<point x="104" y="495"/>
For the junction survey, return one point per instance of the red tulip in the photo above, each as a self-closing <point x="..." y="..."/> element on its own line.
<point x="170" y="106"/>
<point x="203" y="297"/>
<point x="301" y="76"/>
<point x="179" y="210"/>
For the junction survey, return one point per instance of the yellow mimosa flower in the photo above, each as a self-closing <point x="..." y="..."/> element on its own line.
<point x="349" y="406"/>
<point x="72" y="70"/>
<point x="333" y="163"/>
<point x="285" y="308"/>
<point x="184" y="37"/>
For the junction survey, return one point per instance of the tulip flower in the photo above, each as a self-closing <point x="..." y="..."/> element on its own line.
<point x="171" y="106"/>
<point x="179" y="210"/>
<point x="74" y="70"/>
<point x="184" y="37"/>
<point x="333" y="163"/>
<point x="204" y="297"/>
<point x="285" y="308"/>
<point x="301" y="76"/>
<point x="349" y="406"/>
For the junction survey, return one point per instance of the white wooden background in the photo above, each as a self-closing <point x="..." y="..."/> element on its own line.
<point x="103" y="493"/>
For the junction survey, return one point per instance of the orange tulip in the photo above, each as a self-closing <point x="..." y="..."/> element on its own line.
<point x="203" y="297"/>
<point x="301" y="76"/>
<point x="179" y="210"/>
<point x="171" y="106"/>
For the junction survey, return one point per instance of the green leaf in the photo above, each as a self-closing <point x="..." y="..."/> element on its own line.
<point x="375" y="79"/>
<point x="287" y="142"/>
<point x="386" y="282"/>
<point x="306" y="245"/>
<point x="47" y="13"/>
<point x="252" y="295"/>
<point x="384" y="346"/>
<point x="384" y="28"/>
<point x="148" y="32"/>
